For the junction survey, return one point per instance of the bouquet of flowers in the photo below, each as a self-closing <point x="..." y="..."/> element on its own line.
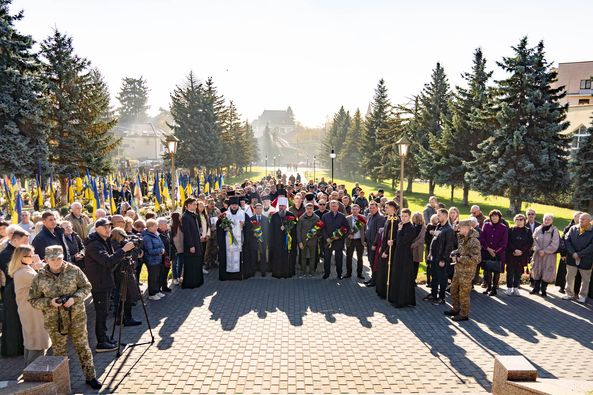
<point x="337" y="234"/>
<point x="258" y="232"/>
<point x="227" y="226"/>
<point x="315" y="230"/>
<point x="359" y="224"/>
<point x="288" y="223"/>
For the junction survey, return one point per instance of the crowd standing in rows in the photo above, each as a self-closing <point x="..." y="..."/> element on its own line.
<point x="273" y="226"/>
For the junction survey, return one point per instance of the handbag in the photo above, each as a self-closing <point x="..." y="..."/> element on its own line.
<point x="166" y="261"/>
<point x="494" y="265"/>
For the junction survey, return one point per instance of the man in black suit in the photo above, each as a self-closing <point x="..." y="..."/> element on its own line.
<point x="334" y="220"/>
<point x="375" y="221"/>
<point x="259" y="249"/>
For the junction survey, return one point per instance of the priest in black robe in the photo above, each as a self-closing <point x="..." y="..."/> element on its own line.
<point x="233" y="251"/>
<point x="387" y="245"/>
<point x="401" y="282"/>
<point x="283" y="248"/>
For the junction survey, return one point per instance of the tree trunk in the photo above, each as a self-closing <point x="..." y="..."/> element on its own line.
<point x="410" y="185"/>
<point x="515" y="205"/>
<point x="63" y="191"/>
<point x="452" y="193"/>
<point x="465" y="194"/>
<point x="431" y="186"/>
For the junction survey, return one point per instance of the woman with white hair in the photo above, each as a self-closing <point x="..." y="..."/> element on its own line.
<point x="546" y="240"/>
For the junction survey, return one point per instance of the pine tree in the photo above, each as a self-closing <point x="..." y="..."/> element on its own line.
<point x="378" y="119"/>
<point x="22" y="105"/>
<point x="433" y="112"/>
<point x="336" y="136"/>
<point x="350" y="155"/>
<point x="195" y="126"/>
<point x="468" y="126"/>
<point x="389" y="166"/>
<point x="526" y="154"/>
<point x="79" y="114"/>
<point x="133" y="97"/>
<point x="582" y="169"/>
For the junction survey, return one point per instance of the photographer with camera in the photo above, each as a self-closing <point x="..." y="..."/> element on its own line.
<point x="101" y="260"/>
<point x="126" y="272"/>
<point x="59" y="290"/>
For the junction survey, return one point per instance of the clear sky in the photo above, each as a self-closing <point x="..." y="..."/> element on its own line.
<point x="311" y="55"/>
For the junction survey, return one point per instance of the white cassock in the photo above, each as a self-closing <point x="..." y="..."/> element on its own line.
<point x="233" y="250"/>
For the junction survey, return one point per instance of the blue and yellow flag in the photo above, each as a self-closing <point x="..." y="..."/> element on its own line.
<point x="156" y="191"/>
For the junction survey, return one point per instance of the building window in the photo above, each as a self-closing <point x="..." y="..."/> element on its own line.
<point x="583" y="101"/>
<point x="586" y="84"/>
<point x="577" y="139"/>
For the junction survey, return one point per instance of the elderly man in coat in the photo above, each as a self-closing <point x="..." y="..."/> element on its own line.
<point x="307" y="240"/>
<point x="579" y="257"/>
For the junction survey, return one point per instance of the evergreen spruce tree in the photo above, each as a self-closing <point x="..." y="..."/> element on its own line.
<point x="582" y="170"/>
<point x="22" y="105"/>
<point x="433" y="112"/>
<point x="133" y="97"/>
<point x="468" y="126"/>
<point x="350" y="155"/>
<point x="389" y="165"/>
<point x="195" y="126"/>
<point x="79" y="115"/>
<point x="336" y="136"/>
<point x="230" y="136"/>
<point x="526" y="155"/>
<point x="377" y="120"/>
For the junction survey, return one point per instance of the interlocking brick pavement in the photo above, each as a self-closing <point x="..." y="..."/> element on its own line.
<point x="312" y="335"/>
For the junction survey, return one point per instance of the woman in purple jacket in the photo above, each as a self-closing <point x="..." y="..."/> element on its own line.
<point x="494" y="240"/>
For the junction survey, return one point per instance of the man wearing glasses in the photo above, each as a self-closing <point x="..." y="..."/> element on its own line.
<point x="531" y="221"/>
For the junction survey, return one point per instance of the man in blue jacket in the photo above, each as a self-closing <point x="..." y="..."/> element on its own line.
<point x="333" y="221"/>
<point x="579" y="257"/>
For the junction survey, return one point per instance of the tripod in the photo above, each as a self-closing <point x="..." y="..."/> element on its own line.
<point x="127" y="271"/>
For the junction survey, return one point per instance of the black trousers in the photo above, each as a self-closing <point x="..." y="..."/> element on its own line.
<point x="328" y="259"/>
<point x="101" y="303"/>
<point x="154" y="279"/>
<point x="355" y="245"/>
<point x="163" y="276"/>
<point x="439" y="280"/>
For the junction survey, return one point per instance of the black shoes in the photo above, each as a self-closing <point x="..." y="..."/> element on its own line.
<point x="428" y="298"/>
<point x="438" y="302"/>
<point x="325" y="276"/>
<point x="460" y="318"/>
<point x="339" y="277"/>
<point x="451" y="313"/>
<point x="131" y="322"/>
<point x="487" y="291"/>
<point x="166" y="289"/>
<point x="347" y="276"/>
<point x="533" y="292"/>
<point x="263" y="274"/>
<point x="106" y="347"/>
<point x="493" y="292"/>
<point x="94" y="383"/>
<point x="370" y="283"/>
<point x="360" y="276"/>
<point x="544" y="294"/>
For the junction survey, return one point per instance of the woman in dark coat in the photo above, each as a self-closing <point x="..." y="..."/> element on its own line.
<point x="494" y="239"/>
<point x="401" y="284"/>
<point x="192" y="246"/>
<point x="520" y="243"/>
<point x="387" y="244"/>
<point x="12" y="331"/>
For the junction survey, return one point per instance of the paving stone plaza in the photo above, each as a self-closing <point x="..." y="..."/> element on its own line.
<point x="308" y="335"/>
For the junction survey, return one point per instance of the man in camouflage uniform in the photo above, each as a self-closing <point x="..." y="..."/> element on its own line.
<point x="308" y="248"/>
<point x="60" y="278"/>
<point x="467" y="257"/>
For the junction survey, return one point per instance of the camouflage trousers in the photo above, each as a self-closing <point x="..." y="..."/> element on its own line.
<point x="211" y="254"/>
<point x="73" y="326"/>
<point x="461" y="288"/>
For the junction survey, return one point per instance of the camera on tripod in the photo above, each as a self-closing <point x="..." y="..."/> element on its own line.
<point x="138" y="245"/>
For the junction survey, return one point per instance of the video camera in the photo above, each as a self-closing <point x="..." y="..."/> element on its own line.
<point x="138" y="245"/>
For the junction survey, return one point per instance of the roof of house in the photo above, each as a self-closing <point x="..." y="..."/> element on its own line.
<point x="275" y="117"/>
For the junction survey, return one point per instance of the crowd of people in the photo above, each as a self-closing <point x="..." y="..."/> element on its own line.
<point x="276" y="226"/>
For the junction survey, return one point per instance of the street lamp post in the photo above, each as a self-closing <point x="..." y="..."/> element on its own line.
<point x="403" y="145"/>
<point x="266" y="165"/>
<point x="172" y="142"/>
<point x="332" y="155"/>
